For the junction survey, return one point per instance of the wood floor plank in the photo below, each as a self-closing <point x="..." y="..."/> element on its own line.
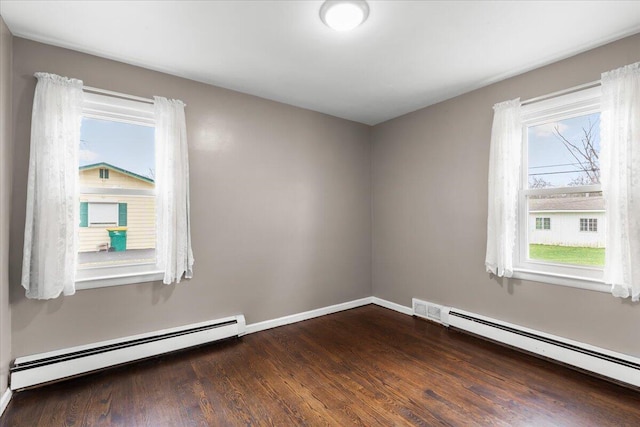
<point x="367" y="366"/>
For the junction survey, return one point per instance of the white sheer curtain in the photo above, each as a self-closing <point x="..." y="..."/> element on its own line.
<point x="50" y="245"/>
<point x="172" y="180"/>
<point x="504" y="178"/>
<point x="620" y="175"/>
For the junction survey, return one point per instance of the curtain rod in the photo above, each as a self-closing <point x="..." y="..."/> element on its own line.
<point x="561" y="92"/>
<point x="119" y="94"/>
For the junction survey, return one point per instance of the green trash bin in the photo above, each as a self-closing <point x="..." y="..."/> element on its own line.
<point x="118" y="237"/>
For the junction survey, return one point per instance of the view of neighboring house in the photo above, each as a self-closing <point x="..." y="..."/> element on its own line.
<point x="113" y="197"/>
<point x="567" y="221"/>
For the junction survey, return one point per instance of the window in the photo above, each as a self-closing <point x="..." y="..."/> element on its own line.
<point x="561" y="182"/>
<point x="543" y="223"/>
<point x="588" y="224"/>
<point x="117" y="229"/>
<point x="102" y="214"/>
<point x="104" y="173"/>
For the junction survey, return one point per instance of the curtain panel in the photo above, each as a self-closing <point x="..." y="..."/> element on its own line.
<point x="172" y="201"/>
<point x="505" y="159"/>
<point x="50" y="241"/>
<point x="620" y="174"/>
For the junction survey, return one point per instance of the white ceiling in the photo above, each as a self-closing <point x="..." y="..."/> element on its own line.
<point x="407" y="55"/>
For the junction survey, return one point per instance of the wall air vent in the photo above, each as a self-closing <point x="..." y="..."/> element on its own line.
<point x="431" y="311"/>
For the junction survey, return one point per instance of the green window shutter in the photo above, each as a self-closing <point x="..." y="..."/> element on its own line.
<point x="84" y="214"/>
<point x="122" y="214"/>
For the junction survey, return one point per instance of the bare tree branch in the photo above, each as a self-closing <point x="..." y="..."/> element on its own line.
<point x="585" y="153"/>
<point x="151" y="174"/>
<point x="538" y="182"/>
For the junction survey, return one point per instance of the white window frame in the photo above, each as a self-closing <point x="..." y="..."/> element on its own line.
<point x="127" y="111"/>
<point x="575" y="104"/>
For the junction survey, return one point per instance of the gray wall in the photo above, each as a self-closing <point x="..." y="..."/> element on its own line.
<point x="430" y="210"/>
<point x="5" y="196"/>
<point x="280" y="205"/>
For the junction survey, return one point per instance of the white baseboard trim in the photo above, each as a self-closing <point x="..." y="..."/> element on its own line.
<point x="299" y="317"/>
<point x="392" y="306"/>
<point x="5" y="399"/>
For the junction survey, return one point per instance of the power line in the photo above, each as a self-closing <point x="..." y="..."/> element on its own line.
<point x="553" y="166"/>
<point x="556" y="173"/>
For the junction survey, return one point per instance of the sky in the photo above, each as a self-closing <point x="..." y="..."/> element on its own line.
<point x="124" y="145"/>
<point x="131" y="147"/>
<point x="549" y="159"/>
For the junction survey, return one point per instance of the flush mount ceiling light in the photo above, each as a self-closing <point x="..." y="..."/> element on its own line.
<point x="344" y="15"/>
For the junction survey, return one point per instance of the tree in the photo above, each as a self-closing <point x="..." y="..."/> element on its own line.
<point x="151" y="174"/>
<point x="585" y="153"/>
<point x="581" y="180"/>
<point x="537" y="182"/>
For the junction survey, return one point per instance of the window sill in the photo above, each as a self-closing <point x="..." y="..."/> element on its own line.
<point x="562" y="279"/>
<point x="93" y="282"/>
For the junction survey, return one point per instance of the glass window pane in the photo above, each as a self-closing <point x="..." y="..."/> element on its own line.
<point x="119" y="228"/>
<point x="563" y="229"/>
<point x="125" y="146"/>
<point x="565" y="152"/>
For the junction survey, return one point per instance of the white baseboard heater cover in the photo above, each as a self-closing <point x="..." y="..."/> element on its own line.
<point x="614" y="365"/>
<point x="46" y="367"/>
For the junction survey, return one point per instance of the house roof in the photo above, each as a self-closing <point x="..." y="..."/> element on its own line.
<point x="115" y="168"/>
<point x="591" y="203"/>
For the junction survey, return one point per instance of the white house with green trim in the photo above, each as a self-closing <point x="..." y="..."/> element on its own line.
<point x="114" y="197"/>
<point x="567" y="221"/>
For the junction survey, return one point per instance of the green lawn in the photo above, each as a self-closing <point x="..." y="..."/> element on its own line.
<point x="568" y="254"/>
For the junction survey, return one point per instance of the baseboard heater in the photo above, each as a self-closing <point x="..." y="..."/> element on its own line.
<point x="617" y="366"/>
<point x="42" y="368"/>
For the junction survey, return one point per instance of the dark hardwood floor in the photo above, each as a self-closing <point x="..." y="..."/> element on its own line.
<point x="367" y="366"/>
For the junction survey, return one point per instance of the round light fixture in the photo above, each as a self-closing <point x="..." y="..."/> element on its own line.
<point x="344" y="15"/>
